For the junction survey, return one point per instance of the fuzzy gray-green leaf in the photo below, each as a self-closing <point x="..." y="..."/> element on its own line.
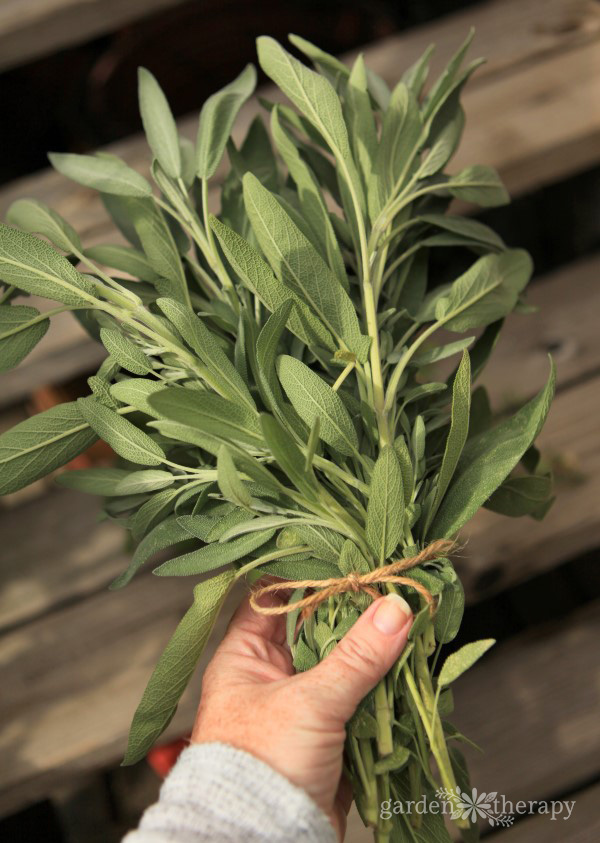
<point x="17" y="335"/>
<point x="125" y="439"/>
<point x="385" y="511"/>
<point x="460" y="661"/>
<point x="108" y="175"/>
<point x="311" y="397"/>
<point x="159" y="125"/>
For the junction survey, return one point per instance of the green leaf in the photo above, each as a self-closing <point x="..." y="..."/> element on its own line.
<point x="471" y="230"/>
<point x="37" y="218"/>
<point x="440" y="352"/>
<point x="208" y="413"/>
<point x="385" y="510"/>
<point x="486" y="292"/>
<point x="38" y="445"/>
<point x="109" y="175"/>
<point x="258" y="276"/>
<point x="299" y="265"/>
<point x="460" y="661"/>
<point x="115" y="481"/>
<point x="123" y="350"/>
<point x="400" y="134"/>
<point x="311" y="397"/>
<point x="312" y="204"/>
<point x="123" y="437"/>
<point x="166" y="534"/>
<point x="459" y="430"/>
<point x="488" y="459"/>
<point x="136" y="391"/>
<point x="521" y="496"/>
<point x="288" y="455"/>
<point x="323" y="542"/>
<point x="159" y="247"/>
<point x="309" y="569"/>
<point x="16" y="339"/>
<point x="406" y="468"/>
<point x="33" y="266"/>
<point x="266" y="354"/>
<point x="159" y="125"/>
<point x="449" y="613"/>
<point x="213" y="556"/>
<point x="141" y="521"/>
<point x="360" y="119"/>
<point x="229" y="481"/>
<point x="124" y="259"/>
<point x="351" y="560"/>
<point x="216" y="120"/>
<point x="175" y="667"/>
<point x="224" y="376"/>
<point x="480" y="185"/>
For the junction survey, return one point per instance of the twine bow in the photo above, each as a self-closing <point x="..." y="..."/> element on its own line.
<point x="354" y="582"/>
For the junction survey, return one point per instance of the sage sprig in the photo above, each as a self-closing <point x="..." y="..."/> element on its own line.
<point x="270" y="383"/>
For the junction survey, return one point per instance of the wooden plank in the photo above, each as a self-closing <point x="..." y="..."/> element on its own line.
<point x="30" y="29"/>
<point x="583" y="826"/>
<point x="53" y="552"/>
<point x="68" y="697"/>
<point x="499" y="553"/>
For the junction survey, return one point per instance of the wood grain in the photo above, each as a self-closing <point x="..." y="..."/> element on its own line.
<point x="30" y="29"/>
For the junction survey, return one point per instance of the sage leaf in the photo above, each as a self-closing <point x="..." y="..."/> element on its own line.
<point x="208" y="413"/>
<point x="299" y="265"/>
<point x="459" y="429"/>
<point x="175" y="667"/>
<point x="311" y="397"/>
<point x="216" y="120"/>
<point x="160" y="248"/>
<point x="449" y="613"/>
<point x="488" y="459"/>
<point x="136" y="392"/>
<point x="37" y="218"/>
<point x="166" y="534"/>
<point x="213" y="556"/>
<point x="311" y="200"/>
<point x="521" y="495"/>
<point x="229" y="481"/>
<point x="33" y="266"/>
<point x="115" y="481"/>
<point x="287" y="454"/>
<point x="39" y="445"/>
<point x="224" y="375"/>
<point x="21" y="328"/>
<point x="460" y="661"/>
<point x="126" y="354"/>
<point x="124" y="438"/>
<point x="385" y="510"/>
<point x="159" y="125"/>
<point x="480" y="185"/>
<point x="124" y="259"/>
<point x="108" y="175"/>
<point x="258" y="276"/>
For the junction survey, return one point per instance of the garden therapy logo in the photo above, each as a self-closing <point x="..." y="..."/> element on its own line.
<point x="473" y="806"/>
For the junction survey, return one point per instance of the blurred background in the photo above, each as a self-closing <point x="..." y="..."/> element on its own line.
<point x="74" y="659"/>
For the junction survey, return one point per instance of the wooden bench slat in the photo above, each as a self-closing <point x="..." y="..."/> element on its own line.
<point x="30" y="29"/>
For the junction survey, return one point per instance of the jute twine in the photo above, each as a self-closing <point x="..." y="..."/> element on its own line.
<point x="353" y="582"/>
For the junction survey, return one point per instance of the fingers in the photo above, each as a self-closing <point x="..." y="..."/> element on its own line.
<point x="364" y="655"/>
<point x="269" y="627"/>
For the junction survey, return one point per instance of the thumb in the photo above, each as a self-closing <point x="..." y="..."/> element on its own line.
<point x="364" y="655"/>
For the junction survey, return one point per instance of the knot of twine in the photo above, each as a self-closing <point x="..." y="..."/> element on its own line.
<point x="354" y="582"/>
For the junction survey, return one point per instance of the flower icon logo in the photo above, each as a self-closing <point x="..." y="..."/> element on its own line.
<point x="474" y="805"/>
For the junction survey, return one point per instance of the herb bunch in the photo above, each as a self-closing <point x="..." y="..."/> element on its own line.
<point x="268" y="385"/>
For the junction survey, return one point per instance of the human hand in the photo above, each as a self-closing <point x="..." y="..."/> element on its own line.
<point x="252" y="700"/>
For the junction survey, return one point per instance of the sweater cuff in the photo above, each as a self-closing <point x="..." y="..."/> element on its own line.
<point x="218" y="793"/>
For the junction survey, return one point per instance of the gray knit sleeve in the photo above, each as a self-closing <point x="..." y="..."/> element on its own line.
<point x="218" y="794"/>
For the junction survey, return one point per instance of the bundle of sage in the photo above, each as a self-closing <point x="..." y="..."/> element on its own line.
<point x="268" y="386"/>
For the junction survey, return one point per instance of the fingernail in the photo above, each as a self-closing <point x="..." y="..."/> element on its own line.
<point x="391" y="614"/>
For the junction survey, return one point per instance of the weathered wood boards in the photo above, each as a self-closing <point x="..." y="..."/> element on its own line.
<point x="33" y="28"/>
